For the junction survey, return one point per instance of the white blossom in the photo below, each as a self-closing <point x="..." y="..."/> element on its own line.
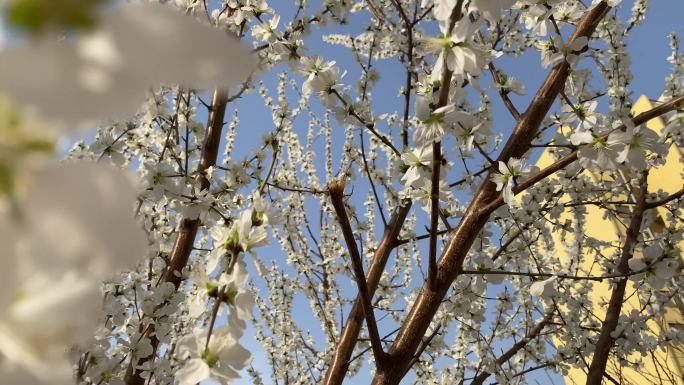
<point x="505" y="179"/>
<point x="106" y="74"/>
<point x="635" y="143"/>
<point x="545" y="288"/>
<point x="419" y="162"/>
<point x="219" y="361"/>
<point x="491" y="9"/>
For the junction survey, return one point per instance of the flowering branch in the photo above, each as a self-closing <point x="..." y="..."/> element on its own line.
<point x="188" y="227"/>
<point x="508" y="354"/>
<point x="345" y="346"/>
<point x="572" y="157"/>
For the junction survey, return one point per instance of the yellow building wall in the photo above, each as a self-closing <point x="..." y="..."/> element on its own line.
<point x="668" y="178"/>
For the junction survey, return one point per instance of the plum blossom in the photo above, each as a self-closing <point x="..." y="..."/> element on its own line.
<point x="442" y="9"/>
<point x="423" y="194"/>
<point x="657" y="264"/>
<point x="545" y="288"/>
<point x="595" y="152"/>
<point x="491" y="10"/>
<point x="219" y="361"/>
<point x="40" y="323"/>
<point x="674" y="127"/>
<point x="505" y="179"/>
<point x="76" y="227"/>
<point x="187" y="5"/>
<point x="324" y="84"/>
<point x="636" y="142"/>
<point x="536" y="15"/>
<point x="419" y="162"/>
<point x="159" y="178"/>
<point x="511" y="84"/>
<point x="241" y="236"/>
<point x="250" y="236"/>
<point x="263" y="212"/>
<point x="470" y="129"/>
<point x="434" y="123"/>
<point x="81" y="216"/>
<point x="456" y="49"/>
<point x="584" y="112"/>
<point x="567" y="12"/>
<point x="554" y="51"/>
<point x="239" y="298"/>
<point x="266" y="30"/>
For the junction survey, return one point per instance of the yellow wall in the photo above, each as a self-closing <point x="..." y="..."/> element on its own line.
<point x="668" y="178"/>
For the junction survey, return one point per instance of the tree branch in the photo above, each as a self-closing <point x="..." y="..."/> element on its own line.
<point x="369" y="125"/>
<point x="571" y="157"/>
<point x="336" y="190"/>
<point x="504" y="94"/>
<point x="445" y="84"/>
<point x="508" y="354"/>
<point x="345" y="346"/>
<point x="666" y="200"/>
<point x="434" y="213"/>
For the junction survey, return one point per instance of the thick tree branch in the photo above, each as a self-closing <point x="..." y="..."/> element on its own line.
<point x="336" y="190"/>
<point x="606" y="340"/>
<point x="434" y="213"/>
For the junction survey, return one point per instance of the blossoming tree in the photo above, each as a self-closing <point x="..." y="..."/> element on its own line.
<point x="135" y="260"/>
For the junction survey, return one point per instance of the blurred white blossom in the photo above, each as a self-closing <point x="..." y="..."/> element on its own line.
<point x="105" y="74"/>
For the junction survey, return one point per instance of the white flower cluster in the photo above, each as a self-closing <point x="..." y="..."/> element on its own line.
<point x="520" y="264"/>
